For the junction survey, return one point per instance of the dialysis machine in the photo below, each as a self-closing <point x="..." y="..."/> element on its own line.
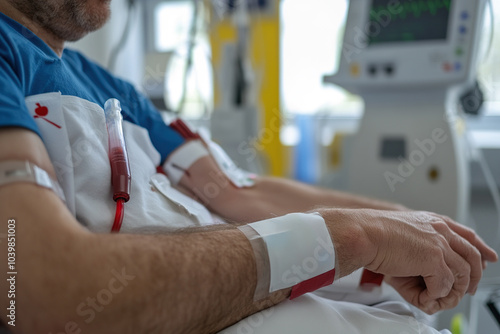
<point x="410" y="60"/>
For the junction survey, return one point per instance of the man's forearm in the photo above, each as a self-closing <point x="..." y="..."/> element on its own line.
<point x="312" y="196"/>
<point x="271" y="197"/>
<point x="186" y="283"/>
<point x="181" y="283"/>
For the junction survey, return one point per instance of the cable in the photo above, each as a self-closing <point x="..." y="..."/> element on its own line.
<point x="123" y="38"/>
<point x="477" y="153"/>
<point x="490" y="180"/>
<point x="191" y="45"/>
<point x="473" y="98"/>
<point x="491" y="305"/>
<point x="120" y="212"/>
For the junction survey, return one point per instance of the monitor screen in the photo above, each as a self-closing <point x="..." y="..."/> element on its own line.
<point x="408" y="20"/>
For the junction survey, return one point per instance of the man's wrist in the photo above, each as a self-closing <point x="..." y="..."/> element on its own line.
<point x="349" y="230"/>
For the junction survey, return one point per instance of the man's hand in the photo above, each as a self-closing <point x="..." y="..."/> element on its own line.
<point x="430" y="260"/>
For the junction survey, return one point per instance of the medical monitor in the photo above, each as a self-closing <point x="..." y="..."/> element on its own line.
<point x="409" y="43"/>
<point x="412" y="21"/>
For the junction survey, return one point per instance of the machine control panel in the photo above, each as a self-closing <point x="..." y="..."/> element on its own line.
<point x="409" y="43"/>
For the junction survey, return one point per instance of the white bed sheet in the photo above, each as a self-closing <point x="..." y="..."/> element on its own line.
<point x="317" y="315"/>
<point x="340" y="308"/>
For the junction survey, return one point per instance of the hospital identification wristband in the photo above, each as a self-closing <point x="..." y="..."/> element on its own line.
<point x="183" y="158"/>
<point x="293" y="251"/>
<point x="238" y="177"/>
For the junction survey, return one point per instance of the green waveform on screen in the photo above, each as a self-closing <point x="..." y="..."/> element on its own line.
<point x="416" y="7"/>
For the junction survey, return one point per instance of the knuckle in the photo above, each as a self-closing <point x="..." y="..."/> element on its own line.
<point x="476" y="256"/>
<point x="462" y="273"/>
<point x="442" y="242"/>
<point x="467" y="269"/>
<point x="471" y="253"/>
<point x="437" y="256"/>
<point x="440" y="226"/>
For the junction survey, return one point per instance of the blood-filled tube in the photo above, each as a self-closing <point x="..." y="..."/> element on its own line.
<point x="118" y="157"/>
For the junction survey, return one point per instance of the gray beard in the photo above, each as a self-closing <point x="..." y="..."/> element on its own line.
<point x="68" y="20"/>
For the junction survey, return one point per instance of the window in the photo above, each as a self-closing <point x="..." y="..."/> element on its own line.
<point x="169" y="28"/>
<point x="312" y="35"/>
<point x="172" y="24"/>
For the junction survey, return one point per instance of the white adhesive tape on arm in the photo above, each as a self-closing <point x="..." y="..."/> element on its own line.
<point x="300" y="250"/>
<point x="183" y="158"/>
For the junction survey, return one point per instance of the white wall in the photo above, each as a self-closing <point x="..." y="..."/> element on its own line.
<point x="98" y="45"/>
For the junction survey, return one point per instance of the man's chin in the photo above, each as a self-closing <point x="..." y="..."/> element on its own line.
<point x="75" y="33"/>
<point x="90" y="17"/>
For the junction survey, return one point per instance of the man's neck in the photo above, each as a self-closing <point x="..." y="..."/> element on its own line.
<point x="52" y="41"/>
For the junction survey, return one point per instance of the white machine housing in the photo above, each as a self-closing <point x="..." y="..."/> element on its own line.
<point x="409" y="146"/>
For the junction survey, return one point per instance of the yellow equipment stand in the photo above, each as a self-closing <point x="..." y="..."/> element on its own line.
<point x="265" y="57"/>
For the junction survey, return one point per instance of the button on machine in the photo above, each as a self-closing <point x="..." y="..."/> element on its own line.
<point x="355" y="70"/>
<point x="372" y="70"/>
<point x="389" y="69"/>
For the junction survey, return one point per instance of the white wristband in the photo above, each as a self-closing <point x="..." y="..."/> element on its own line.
<point x="183" y="158"/>
<point x="238" y="177"/>
<point x="299" y="249"/>
<point x="25" y="171"/>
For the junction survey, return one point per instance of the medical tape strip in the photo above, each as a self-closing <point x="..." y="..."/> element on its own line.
<point x="260" y="253"/>
<point x="300" y="251"/>
<point x="183" y="158"/>
<point x="25" y="171"/>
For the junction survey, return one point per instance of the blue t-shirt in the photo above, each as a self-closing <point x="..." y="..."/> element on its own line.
<point x="29" y="67"/>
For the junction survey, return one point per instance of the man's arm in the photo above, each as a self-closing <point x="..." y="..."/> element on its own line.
<point x="452" y="255"/>
<point x="270" y="197"/>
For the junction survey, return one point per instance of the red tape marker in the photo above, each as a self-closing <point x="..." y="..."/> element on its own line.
<point x="370" y="280"/>
<point x="313" y="284"/>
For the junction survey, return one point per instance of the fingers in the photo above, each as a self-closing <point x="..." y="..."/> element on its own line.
<point x="442" y="290"/>
<point x="470" y="256"/>
<point x="414" y="290"/>
<point x="421" y="293"/>
<point x="487" y="253"/>
<point x="446" y="288"/>
<point x="464" y="259"/>
<point x="448" y="264"/>
<point x="461" y="270"/>
<point x="437" y="286"/>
